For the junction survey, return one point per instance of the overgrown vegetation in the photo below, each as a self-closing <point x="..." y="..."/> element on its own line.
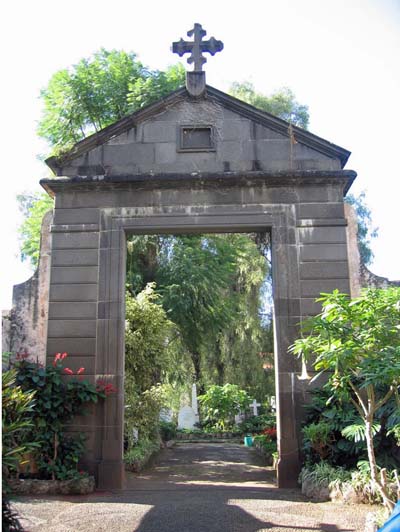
<point x="357" y="343"/>
<point x="47" y="402"/>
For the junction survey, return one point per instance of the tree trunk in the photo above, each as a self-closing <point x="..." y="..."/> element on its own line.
<point x="372" y="464"/>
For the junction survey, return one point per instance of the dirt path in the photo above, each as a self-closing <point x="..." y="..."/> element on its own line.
<point x="193" y="488"/>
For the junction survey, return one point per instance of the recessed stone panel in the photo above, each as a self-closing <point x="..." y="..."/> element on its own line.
<point x="323" y="252"/>
<point x="72" y="328"/>
<point x="73" y="292"/>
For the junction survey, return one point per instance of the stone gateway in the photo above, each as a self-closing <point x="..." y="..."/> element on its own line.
<point x="193" y="162"/>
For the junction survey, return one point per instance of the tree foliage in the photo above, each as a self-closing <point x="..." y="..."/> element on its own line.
<point x="33" y="207"/>
<point x="365" y="230"/>
<point x="357" y="342"/>
<point x="211" y="287"/>
<point x="281" y="103"/>
<point x="220" y="404"/>
<point x="154" y="355"/>
<point x="97" y="91"/>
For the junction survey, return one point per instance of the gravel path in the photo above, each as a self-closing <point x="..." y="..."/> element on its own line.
<point x="193" y="488"/>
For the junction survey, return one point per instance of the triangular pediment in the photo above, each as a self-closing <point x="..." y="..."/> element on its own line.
<point x="244" y="139"/>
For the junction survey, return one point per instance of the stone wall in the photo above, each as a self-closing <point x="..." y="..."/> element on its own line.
<point x="360" y="275"/>
<point x="25" y="325"/>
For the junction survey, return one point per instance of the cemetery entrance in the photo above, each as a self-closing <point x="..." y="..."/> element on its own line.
<point x="197" y="161"/>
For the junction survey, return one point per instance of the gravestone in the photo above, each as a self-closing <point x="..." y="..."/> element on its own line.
<point x="254" y="406"/>
<point x="166" y="415"/>
<point x="186" y="418"/>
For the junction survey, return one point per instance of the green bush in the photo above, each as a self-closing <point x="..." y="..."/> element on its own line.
<point x="57" y="401"/>
<point x="167" y="430"/>
<point x="256" y="424"/>
<point x="220" y="404"/>
<point x="138" y="455"/>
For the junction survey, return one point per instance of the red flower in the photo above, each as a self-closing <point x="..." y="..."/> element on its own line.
<point x="69" y="371"/>
<point x="64" y="355"/>
<point x="80" y="370"/>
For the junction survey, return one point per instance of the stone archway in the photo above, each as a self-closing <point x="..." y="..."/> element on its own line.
<point x="303" y="211"/>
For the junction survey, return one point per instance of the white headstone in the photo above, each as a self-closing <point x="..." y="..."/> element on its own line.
<point x="239" y="418"/>
<point x="273" y="402"/>
<point x="186" y="418"/>
<point x="135" y="434"/>
<point x="166" y="414"/>
<point x="254" y="405"/>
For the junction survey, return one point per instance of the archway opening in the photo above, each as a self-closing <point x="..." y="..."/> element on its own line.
<point x="198" y="340"/>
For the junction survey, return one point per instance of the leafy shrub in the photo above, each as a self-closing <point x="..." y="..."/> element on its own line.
<point x="57" y="401"/>
<point x="255" y="424"/>
<point x="266" y="443"/>
<point x="324" y="473"/>
<point x="167" y="430"/>
<point x="319" y="437"/>
<point x="138" y="455"/>
<point x="220" y="404"/>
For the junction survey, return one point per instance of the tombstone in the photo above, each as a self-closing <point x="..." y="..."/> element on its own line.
<point x="239" y="417"/>
<point x="166" y="415"/>
<point x="273" y="403"/>
<point x="186" y="418"/>
<point x="254" y="406"/>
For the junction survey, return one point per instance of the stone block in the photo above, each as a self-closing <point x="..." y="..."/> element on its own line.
<point x="83" y="257"/>
<point x="323" y="252"/>
<point x="323" y="235"/>
<point x="263" y="133"/>
<point x="76" y="241"/>
<point x="128" y="154"/>
<point x="320" y="210"/>
<point x="76" y="216"/>
<point x="77" y="310"/>
<point x="160" y="131"/>
<point x="324" y="270"/>
<point x="74" y="274"/>
<point x="73" y="292"/>
<point x="309" y="307"/>
<point x="73" y="346"/>
<point x="315" y="287"/>
<point x="72" y="328"/>
<point x="165" y="153"/>
<point x="235" y="129"/>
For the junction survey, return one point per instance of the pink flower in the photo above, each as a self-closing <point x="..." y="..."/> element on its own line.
<point x="64" y="355"/>
<point x="69" y="371"/>
<point x="80" y="370"/>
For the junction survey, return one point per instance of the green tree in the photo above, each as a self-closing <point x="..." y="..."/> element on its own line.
<point x="98" y="91"/>
<point x="220" y="404"/>
<point x="281" y="103"/>
<point x="365" y="231"/>
<point x="33" y="207"/>
<point x="357" y="343"/>
<point x="154" y="355"/>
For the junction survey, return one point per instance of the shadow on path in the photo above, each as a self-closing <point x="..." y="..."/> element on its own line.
<point x="193" y="488"/>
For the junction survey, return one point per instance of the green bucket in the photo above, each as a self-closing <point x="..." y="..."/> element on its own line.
<point x="248" y="441"/>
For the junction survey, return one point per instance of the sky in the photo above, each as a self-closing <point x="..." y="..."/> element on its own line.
<point x="340" y="57"/>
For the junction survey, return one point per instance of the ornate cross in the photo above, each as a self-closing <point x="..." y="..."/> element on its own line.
<point x="197" y="47"/>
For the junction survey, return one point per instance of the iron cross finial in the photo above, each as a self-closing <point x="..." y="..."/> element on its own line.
<point x="197" y="47"/>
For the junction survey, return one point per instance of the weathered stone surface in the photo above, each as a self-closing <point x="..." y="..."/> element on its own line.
<point x="82" y="486"/>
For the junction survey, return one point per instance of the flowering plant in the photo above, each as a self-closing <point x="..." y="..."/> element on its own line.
<point x="57" y="401"/>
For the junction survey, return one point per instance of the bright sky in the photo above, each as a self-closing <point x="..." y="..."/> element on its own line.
<point x="340" y="57"/>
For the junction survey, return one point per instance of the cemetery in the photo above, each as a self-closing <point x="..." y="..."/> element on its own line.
<point x="193" y="246"/>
